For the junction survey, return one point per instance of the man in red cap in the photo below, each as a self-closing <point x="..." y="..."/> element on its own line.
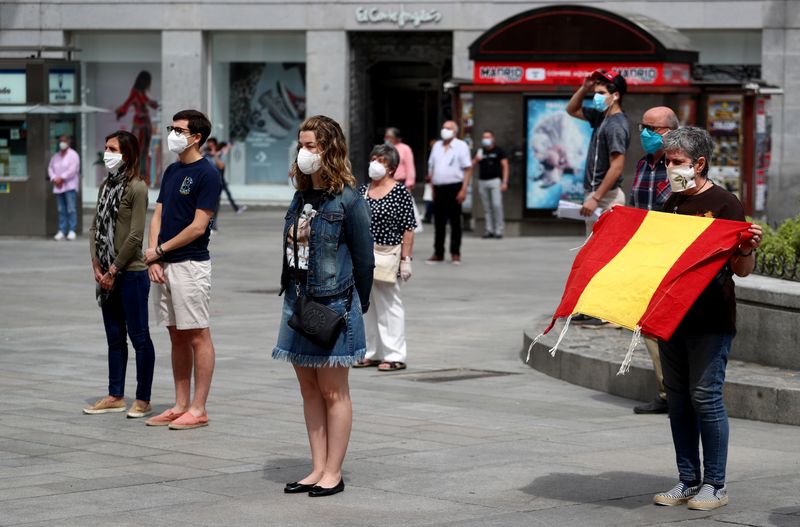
<point x="610" y="140"/>
<point x="602" y="181"/>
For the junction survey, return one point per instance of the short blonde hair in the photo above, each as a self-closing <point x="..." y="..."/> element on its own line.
<point x="336" y="169"/>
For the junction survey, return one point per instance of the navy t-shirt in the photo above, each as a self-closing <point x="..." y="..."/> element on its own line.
<point x="184" y="189"/>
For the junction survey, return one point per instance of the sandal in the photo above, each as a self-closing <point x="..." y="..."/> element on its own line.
<point x="391" y="366"/>
<point x="366" y="363"/>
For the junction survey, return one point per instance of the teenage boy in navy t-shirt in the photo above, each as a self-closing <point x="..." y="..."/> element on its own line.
<point x="180" y="266"/>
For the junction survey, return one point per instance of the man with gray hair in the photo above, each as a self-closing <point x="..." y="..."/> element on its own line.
<point x="650" y="190"/>
<point x="450" y="170"/>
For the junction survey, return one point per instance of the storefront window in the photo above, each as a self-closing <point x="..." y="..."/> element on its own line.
<point x="13" y="150"/>
<point x="258" y="100"/>
<point x="121" y="75"/>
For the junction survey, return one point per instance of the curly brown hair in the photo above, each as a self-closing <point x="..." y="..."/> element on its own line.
<point x="336" y="170"/>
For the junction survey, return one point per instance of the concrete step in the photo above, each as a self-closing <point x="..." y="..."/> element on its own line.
<point x="591" y="358"/>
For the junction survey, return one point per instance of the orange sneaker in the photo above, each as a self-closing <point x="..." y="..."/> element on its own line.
<point x="164" y="418"/>
<point x="188" y="421"/>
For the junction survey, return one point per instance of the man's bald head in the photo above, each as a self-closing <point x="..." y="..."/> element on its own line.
<point x="660" y="117"/>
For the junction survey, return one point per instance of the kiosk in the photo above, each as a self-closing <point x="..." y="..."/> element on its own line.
<point x="38" y="103"/>
<point x="527" y="67"/>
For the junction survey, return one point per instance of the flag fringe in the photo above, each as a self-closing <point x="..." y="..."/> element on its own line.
<point x="530" y="348"/>
<point x="551" y="351"/>
<point x="635" y="340"/>
<point x="579" y="247"/>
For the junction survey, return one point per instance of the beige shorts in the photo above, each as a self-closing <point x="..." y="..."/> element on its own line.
<point x="182" y="301"/>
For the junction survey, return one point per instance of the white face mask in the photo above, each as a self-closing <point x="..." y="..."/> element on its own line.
<point x="376" y="170"/>
<point x="177" y="143"/>
<point x="63" y="146"/>
<point x="113" y="161"/>
<point x="307" y="162"/>
<point x="447" y="134"/>
<point x="681" y="178"/>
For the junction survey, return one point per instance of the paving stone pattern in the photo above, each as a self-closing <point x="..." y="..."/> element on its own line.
<point x="505" y="450"/>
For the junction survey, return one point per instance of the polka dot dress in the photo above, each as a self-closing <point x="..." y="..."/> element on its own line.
<point x="392" y="215"/>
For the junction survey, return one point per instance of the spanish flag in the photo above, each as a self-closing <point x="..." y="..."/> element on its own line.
<point x="643" y="270"/>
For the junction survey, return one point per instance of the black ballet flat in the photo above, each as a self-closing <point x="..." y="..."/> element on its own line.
<point x="318" y="492"/>
<point x="296" y="488"/>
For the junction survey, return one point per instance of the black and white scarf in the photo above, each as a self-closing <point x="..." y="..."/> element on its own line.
<point x="107" y="209"/>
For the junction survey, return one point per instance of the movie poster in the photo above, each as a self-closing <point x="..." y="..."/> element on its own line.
<point x="267" y="106"/>
<point x="555" y="147"/>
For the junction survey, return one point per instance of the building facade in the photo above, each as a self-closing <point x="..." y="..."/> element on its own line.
<point x="258" y="67"/>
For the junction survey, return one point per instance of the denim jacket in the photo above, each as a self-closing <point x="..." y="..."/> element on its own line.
<point x="340" y="246"/>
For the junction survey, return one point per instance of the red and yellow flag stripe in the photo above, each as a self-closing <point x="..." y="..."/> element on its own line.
<point x="645" y="269"/>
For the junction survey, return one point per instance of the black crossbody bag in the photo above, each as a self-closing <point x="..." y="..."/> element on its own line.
<point x="316" y="322"/>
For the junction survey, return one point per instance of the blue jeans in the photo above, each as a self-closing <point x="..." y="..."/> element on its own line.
<point x="125" y="311"/>
<point x="67" y="211"/>
<point x="694" y="372"/>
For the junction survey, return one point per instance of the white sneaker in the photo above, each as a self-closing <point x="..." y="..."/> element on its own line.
<point x="677" y="495"/>
<point x="71" y="235"/>
<point x="709" y="498"/>
<point x="241" y="209"/>
<point x="59" y="236"/>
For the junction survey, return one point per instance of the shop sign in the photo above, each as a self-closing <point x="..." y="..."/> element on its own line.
<point x="62" y="86"/>
<point x="573" y="73"/>
<point x="397" y="16"/>
<point x="13" y="86"/>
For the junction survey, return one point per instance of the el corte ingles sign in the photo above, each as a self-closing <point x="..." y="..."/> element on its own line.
<point x="397" y="16"/>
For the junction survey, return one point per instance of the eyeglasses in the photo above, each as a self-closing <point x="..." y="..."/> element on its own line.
<point x="179" y="130"/>
<point x="650" y="127"/>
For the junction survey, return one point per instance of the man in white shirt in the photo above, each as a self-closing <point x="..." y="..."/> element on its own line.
<point x="450" y="171"/>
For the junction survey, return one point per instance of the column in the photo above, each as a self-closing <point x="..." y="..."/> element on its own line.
<point x="462" y="66"/>
<point x="327" y="78"/>
<point x="780" y="61"/>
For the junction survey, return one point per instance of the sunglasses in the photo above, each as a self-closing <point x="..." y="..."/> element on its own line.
<point x="179" y="130"/>
<point x="652" y="128"/>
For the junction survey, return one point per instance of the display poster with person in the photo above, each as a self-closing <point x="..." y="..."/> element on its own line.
<point x="132" y="93"/>
<point x="267" y="105"/>
<point x="555" y="147"/>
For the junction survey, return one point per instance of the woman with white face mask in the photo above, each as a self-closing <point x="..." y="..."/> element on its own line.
<point x="327" y="264"/>
<point x="115" y="246"/>
<point x="693" y="360"/>
<point x="392" y="225"/>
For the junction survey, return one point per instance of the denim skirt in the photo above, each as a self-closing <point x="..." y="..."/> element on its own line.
<point x="350" y="347"/>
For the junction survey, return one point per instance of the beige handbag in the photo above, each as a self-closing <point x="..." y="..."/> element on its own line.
<point x="387" y="263"/>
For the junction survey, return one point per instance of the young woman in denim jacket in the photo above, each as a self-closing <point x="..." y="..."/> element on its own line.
<point x="334" y="263"/>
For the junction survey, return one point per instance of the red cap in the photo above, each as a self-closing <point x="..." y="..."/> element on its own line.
<point x="611" y="77"/>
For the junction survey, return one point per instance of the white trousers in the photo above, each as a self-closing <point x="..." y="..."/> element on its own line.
<point x="492" y="199"/>
<point x="385" y="323"/>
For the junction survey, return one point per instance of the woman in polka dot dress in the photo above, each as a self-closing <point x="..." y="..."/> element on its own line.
<point x="392" y="223"/>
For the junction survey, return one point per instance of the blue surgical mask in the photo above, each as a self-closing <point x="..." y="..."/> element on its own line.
<point x="486" y="142"/>
<point x="652" y="142"/>
<point x="599" y="102"/>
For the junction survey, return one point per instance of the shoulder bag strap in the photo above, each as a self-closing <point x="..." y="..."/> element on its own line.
<point x="294" y="244"/>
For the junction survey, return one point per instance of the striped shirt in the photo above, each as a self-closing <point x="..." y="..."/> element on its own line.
<point x="650" y="184"/>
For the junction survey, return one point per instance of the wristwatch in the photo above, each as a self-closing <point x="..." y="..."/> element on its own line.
<point x="406" y="258"/>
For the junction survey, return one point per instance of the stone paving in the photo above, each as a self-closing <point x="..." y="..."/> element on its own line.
<point x="429" y="447"/>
